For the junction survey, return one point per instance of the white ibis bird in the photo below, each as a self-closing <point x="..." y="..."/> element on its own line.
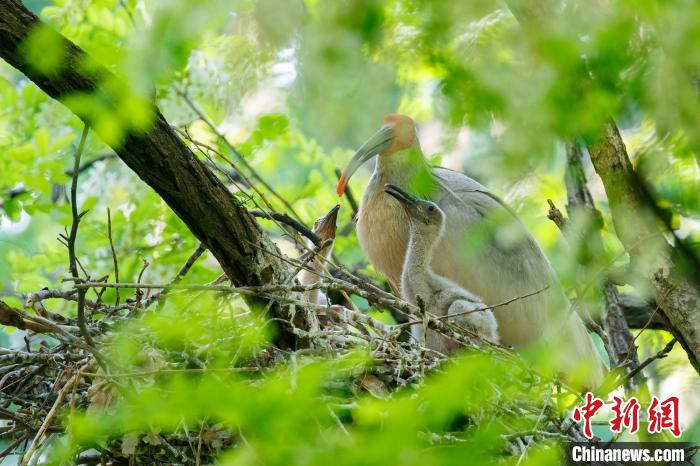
<point x="324" y="228"/>
<point x="426" y="223"/>
<point x="485" y="248"/>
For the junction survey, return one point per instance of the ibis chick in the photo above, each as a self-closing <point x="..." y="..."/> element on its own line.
<point x="426" y="224"/>
<point x="325" y="228"/>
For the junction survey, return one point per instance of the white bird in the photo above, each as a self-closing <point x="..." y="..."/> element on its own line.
<point x="426" y="224"/>
<point x="325" y="228"/>
<point x="485" y="248"/>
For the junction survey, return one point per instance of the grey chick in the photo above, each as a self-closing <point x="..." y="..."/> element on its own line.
<point x="440" y="295"/>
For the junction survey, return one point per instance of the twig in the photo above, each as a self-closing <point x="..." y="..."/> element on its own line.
<point x="13" y="445"/>
<point x="486" y="308"/>
<point x="74" y="234"/>
<point x="537" y="423"/>
<point x="38" y="438"/>
<point x="287" y="220"/>
<point x="114" y="254"/>
<point x="180" y="274"/>
<point x="234" y="151"/>
<point x="198" y="454"/>
<point x="138" y="292"/>
<point x="22" y="357"/>
<point x="660" y="355"/>
<point x="556" y="216"/>
<point x="86" y="165"/>
<point x="192" y="370"/>
<point x="199" y="145"/>
<point x="19" y="319"/>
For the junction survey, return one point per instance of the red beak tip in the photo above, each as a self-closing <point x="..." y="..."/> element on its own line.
<point x="340" y="189"/>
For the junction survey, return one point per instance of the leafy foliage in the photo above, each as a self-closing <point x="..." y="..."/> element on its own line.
<point x="294" y="86"/>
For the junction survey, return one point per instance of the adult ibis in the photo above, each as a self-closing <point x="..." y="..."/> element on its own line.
<point x="485" y="248"/>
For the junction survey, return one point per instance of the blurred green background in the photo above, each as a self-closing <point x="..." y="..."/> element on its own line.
<point x="296" y="85"/>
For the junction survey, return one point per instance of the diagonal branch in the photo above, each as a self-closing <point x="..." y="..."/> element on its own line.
<point x="72" y="238"/>
<point x="671" y="271"/>
<point x="580" y="203"/>
<point x="158" y="156"/>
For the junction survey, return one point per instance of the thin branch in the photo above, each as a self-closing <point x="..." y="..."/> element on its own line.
<point x="38" y="438"/>
<point x="179" y="276"/>
<point x="74" y="235"/>
<point x="660" y="355"/>
<point x="556" y="216"/>
<point x="114" y="254"/>
<point x="235" y="152"/>
<point x="487" y="308"/>
<point x="287" y="220"/>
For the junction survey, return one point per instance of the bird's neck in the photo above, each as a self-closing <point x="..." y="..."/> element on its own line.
<point x="408" y="169"/>
<point x="317" y="264"/>
<point x="419" y="253"/>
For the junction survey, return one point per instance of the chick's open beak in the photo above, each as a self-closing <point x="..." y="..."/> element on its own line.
<point x="379" y="142"/>
<point x="326" y="227"/>
<point x="408" y="202"/>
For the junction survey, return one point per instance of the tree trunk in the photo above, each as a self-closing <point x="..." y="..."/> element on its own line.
<point x="157" y="156"/>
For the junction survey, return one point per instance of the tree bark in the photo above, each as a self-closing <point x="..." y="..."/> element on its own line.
<point x="637" y="227"/>
<point x="623" y="351"/>
<point x="665" y="268"/>
<point x="157" y="156"/>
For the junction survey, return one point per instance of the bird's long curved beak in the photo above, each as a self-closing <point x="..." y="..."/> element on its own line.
<point x="326" y="226"/>
<point x="408" y="202"/>
<point x="380" y="141"/>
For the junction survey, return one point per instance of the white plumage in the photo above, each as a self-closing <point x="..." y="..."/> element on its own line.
<point x="419" y="283"/>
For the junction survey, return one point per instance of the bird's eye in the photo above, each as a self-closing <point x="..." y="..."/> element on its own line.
<point x="431" y="208"/>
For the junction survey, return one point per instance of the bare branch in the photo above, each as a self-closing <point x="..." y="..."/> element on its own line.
<point x="114" y="253"/>
<point x="74" y="235"/>
<point x="287" y="220"/>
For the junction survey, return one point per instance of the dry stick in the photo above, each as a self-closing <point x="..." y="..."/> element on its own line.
<point x="138" y="281"/>
<point x="189" y="263"/>
<point x="34" y="300"/>
<point x="179" y="276"/>
<point x="198" y="459"/>
<point x="556" y="216"/>
<point x="114" y="254"/>
<point x="660" y="355"/>
<point x="38" y="438"/>
<point x="277" y="218"/>
<point x="561" y="222"/>
<point x="191" y="370"/>
<point x="13" y="445"/>
<point x="486" y="308"/>
<point x="537" y="423"/>
<point x="287" y="220"/>
<point x="234" y="151"/>
<point x="18" y="318"/>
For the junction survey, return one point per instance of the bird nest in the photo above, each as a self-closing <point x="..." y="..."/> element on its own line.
<point x="53" y="390"/>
